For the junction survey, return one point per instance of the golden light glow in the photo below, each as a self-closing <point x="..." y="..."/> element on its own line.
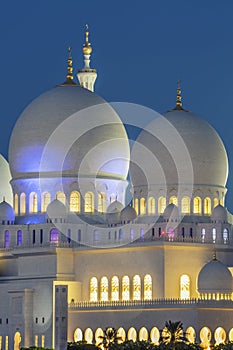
<point x="219" y="336"/>
<point x="121" y="333"/>
<point x="33" y="202"/>
<point x="197" y="205"/>
<point x="61" y="197"/>
<point x="216" y="201"/>
<point x="102" y="203"/>
<point x="16" y="206"/>
<point x="136" y="287"/>
<point x="22" y="203"/>
<point x="87" y="49"/>
<point x="147" y="287"/>
<point x="89" y="202"/>
<point x="115" y="288"/>
<point x="136" y="205"/>
<point x="78" y="335"/>
<point x="190" y="334"/>
<point x="151" y="206"/>
<point x="46" y="198"/>
<point x="161" y="204"/>
<point x="142" y="206"/>
<point x="205" y="337"/>
<point x="207" y="206"/>
<point x="132" y="334"/>
<point x="75" y="201"/>
<point x="143" y="334"/>
<point x="173" y="200"/>
<point x="94" y="289"/>
<point x="125" y="288"/>
<point x="184" y="287"/>
<point x="155" y="335"/>
<point x="185" y="205"/>
<point x="104" y="289"/>
<point x="88" y="335"/>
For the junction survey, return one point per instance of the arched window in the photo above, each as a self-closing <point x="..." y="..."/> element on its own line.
<point x="190" y="335"/>
<point x="125" y="288"/>
<point x="33" y="202"/>
<point x="98" y="334"/>
<point x="161" y="204"/>
<point x="214" y="234"/>
<point x="185" y="205"/>
<point x="205" y="337"/>
<point x="19" y="237"/>
<point x="173" y="200"/>
<point x="143" y="334"/>
<point x="104" y="289"/>
<point x="54" y="236"/>
<point x="136" y="205"/>
<point x="101" y="202"/>
<point x="184" y="287"/>
<point x="22" y="203"/>
<point x="75" y="201"/>
<point x="142" y="206"/>
<point x="93" y="289"/>
<point x="216" y="201"/>
<point x="230" y="335"/>
<point x="89" y="202"/>
<point x="78" y="335"/>
<point x="61" y="197"/>
<point x="132" y="334"/>
<point x="203" y="234"/>
<point x="7" y="239"/>
<point x="136" y="287"/>
<point x="155" y="335"/>
<point x="148" y="287"/>
<point x="197" y="205"/>
<point x="219" y="336"/>
<point x="16" y="204"/>
<point x="121" y="334"/>
<point x="225" y="235"/>
<point x="115" y="288"/>
<point x="88" y="335"/>
<point x="45" y="201"/>
<point x="207" y="206"/>
<point x="151" y="206"/>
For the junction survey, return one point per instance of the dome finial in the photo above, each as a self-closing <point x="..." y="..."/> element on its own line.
<point x="87" y="49"/>
<point x="178" y="96"/>
<point x="215" y="255"/>
<point x="69" y="75"/>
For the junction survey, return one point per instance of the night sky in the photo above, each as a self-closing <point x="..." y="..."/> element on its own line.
<point x="140" y="50"/>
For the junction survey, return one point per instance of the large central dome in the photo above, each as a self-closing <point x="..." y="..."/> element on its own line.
<point x="70" y="130"/>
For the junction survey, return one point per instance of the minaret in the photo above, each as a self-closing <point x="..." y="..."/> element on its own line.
<point x="87" y="76"/>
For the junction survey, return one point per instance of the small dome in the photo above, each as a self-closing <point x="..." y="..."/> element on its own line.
<point x="56" y="209"/>
<point x="171" y="211"/>
<point x="5" y="178"/>
<point x="128" y="214"/>
<point x="7" y="213"/>
<point x="214" y="277"/>
<point x="219" y="213"/>
<point x="114" y="213"/>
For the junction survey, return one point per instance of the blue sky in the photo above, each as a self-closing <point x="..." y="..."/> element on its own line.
<point x="140" y="49"/>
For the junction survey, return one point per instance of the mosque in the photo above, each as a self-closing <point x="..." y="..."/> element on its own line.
<point x="76" y="256"/>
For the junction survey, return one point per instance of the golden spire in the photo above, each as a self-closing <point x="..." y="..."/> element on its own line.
<point x="87" y="49"/>
<point x="215" y="255"/>
<point x="69" y="75"/>
<point x="178" y="96"/>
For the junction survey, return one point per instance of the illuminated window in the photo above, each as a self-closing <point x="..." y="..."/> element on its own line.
<point x="33" y="202"/>
<point x="89" y="202"/>
<point x="203" y="234"/>
<point x="219" y="336"/>
<point x="225" y="235"/>
<point x="104" y="289"/>
<point x="115" y="288"/>
<point x="205" y="337"/>
<point x="142" y="206"/>
<point x="214" y="234"/>
<point x="6" y="343"/>
<point x="93" y="289"/>
<point x="42" y="341"/>
<point x="45" y="201"/>
<point x="61" y="197"/>
<point x="16" y="206"/>
<point x="54" y="236"/>
<point x="197" y="205"/>
<point x="19" y="237"/>
<point x="155" y="335"/>
<point x="161" y="204"/>
<point x="143" y="334"/>
<point x="88" y="335"/>
<point x="75" y="201"/>
<point x="101" y="203"/>
<point x="222" y="201"/>
<point x="121" y="334"/>
<point x="190" y="335"/>
<point x="230" y="335"/>
<point x="22" y="203"/>
<point x="125" y="288"/>
<point x="184" y="287"/>
<point x="136" y="205"/>
<point x="151" y="205"/>
<point x="98" y="335"/>
<point x="216" y="201"/>
<point x="173" y="200"/>
<point x="185" y="205"/>
<point x="36" y="340"/>
<point x="207" y="206"/>
<point x="147" y="287"/>
<point x="136" y="287"/>
<point x="7" y="239"/>
<point x="132" y="334"/>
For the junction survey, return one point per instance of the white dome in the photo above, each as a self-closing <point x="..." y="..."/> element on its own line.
<point x="171" y="212"/>
<point x="7" y="213"/>
<point x="214" y="277"/>
<point x="219" y="213"/>
<point x="5" y="177"/>
<point x="56" y="209"/>
<point x="113" y="214"/>
<point x="69" y="130"/>
<point x="128" y="214"/>
<point x="179" y="133"/>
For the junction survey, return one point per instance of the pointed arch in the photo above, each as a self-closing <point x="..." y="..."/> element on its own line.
<point x="143" y="334"/>
<point x="23" y="203"/>
<point x="89" y="202"/>
<point x="136" y="287"/>
<point x="115" y="288"/>
<point x="102" y="202"/>
<point x="78" y="335"/>
<point x="184" y="287"/>
<point x="161" y="204"/>
<point x="16" y="204"/>
<point x="197" y="205"/>
<point x="136" y="205"/>
<point x="104" y="289"/>
<point x="54" y="236"/>
<point x="173" y="200"/>
<point x="75" y="201"/>
<point x="33" y="202"/>
<point x="151" y="206"/>
<point x="125" y="288"/>
<point x="147" y="287"/>
<point x="185" y="205"/>
<point x="207" y="206"/>
<point x="45" y="200"/>
<point x="142" y="206"/>
<point x="93" y="289"/>
<point x="61" y="197"/>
